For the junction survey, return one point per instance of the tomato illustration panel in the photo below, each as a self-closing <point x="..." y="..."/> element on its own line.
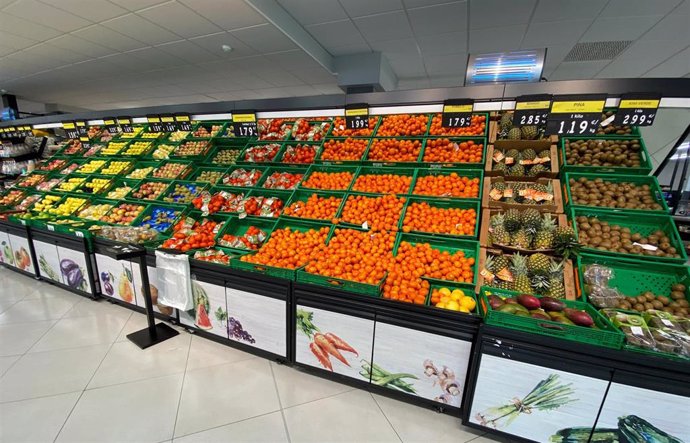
<point x="332" y="341"/>
<point x="22" y="256"/>
<point x="257" y="321"/>
<point x="48" y="260"/>
<point x="432" y="366"/>
<point x="154" y="287"/>
<point x="210" y="310"/>
<point x="115" y="278"/>
<point x="6" y="252"/>
<point x="73" y="269"/>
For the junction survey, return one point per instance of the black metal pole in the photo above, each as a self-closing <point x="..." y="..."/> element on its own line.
<point x="144" y="271"/>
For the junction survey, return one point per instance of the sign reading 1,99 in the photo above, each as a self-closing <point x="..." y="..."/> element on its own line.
<point x="357" y="116"/>
<point x="244" y="124"/>
<point x="575" y="115"/>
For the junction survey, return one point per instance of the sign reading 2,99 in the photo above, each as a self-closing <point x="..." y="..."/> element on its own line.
<point x="637" y="109"/>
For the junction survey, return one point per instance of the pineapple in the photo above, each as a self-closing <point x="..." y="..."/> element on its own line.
<point x="501" y="167"/>
<point x="529" y="154"/>
<point x="514" y="134"/>
<point x="538" y="264"/>
<point x="517" y="170"/>
<point x="536" y="170"/>
<point x="512" y="220"/>
<point x="546" y="234"/>
<point x="543" y="188"/>
<point x="544" y="154"/>
<point x="506" y="121"/>
<point x="500" y="262"/>
<point x="564" y="242"/>
<point x="514" y="154"/>
<point x="500" y="236"/>
<point x="529" y="132"/>
<point x="540" y="283"/>
<point x="556" y="288"/>
<point x="531" y="220"/>
<point x="521" y="281"/>
<point x="521" y="239"/>
<point x="499" y="185"/>
<point x="504" y="284"/>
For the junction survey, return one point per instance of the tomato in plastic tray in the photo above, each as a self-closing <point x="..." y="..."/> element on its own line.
<point x="212" y="256"/>
<point x="261" y="206"/>
<point x="283" y="180"/>
<point x="272" y="129"/>
<point x="242" y="177"/>
<point x="303" y="130"/>
<point x="300" y="154"/>
<point x="191" y="234"/>
<point x="261" y="153"/>
<point x="252" y="239"/>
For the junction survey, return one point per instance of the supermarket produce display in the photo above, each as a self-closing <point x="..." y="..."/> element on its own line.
<point x="334" y="248"/>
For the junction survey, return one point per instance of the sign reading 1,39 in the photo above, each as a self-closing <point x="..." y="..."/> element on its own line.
<point x="575" y="115"/>
<point x="637" y="109"/>
<point x="244" y="124"/>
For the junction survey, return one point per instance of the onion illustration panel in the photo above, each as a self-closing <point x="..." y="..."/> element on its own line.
<point x="73" y="269"/>
<point x="6" y="252"/>
<point x="431" y="366"/>
<point x="115" y="278"/>
<point x="48" y="260"/>
<point x="22" y="256"/>
<point x="534" y="402"/>
<point x="257" y="321"/>
<point x="335" y="342"/>
<point x="154" y="287"/>
<point x="210" y="309"/>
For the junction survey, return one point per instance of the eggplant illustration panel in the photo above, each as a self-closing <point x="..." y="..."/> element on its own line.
<point x="534" y="402"/>
<point x="432" y="366"/>
<point x="115" y="278"/>
<point x="645" y="415"/>
<point x="336" y="342"/>
<point x="210" y="310"/>
<point x="48" y="260"/>
<point x="153" y="283"/>
<point x="22" y="257"/>
<point x="6" y="252"/>
<point x="73" y="269"/>
<point x="257" y="321"/>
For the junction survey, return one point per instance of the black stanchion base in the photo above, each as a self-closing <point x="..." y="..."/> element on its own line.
<point x="144" y="339"/>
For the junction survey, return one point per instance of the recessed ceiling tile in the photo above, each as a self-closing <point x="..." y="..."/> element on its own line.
<point x="5" y="50"/>
<point x="359" y="8"/>
<point x="157" y="56"/>
<point x="136" y="27"/>
<point x="76" y="44"/>
<point x="578" y="70"/>
<point x="46" y="15"/>
<point x="640" y="57"/>
<point x="506" y="38"/>
<point x="278" y="77"/>
<point x="225" y="96"/>
<point x="15" y="42"/>
<point x="396" y="48"/>
<point x="306" y="13"/>
<point x="107" y="37"/>
<point x="617" y="8"/>
<point x="294" y="60"/>
<point x="214" y="42"/>
<point x="619" y="28"/>
<point x="560" y="10"/>
<point x="328" y="88"/>
<point x="23" y="28"/>
<point x="135" y="5"/>
<point x="439" y="19"/>
<point x="179" y="19"/>
<point x="408" y="66"/>
<point x="264" y="38"/>
<point x="251" y="82"/>
<point x="409" y="4"/>
<point x="672" y="27"/>
<point x="58" y="55"/>
<point x="228" y="14"/>
<point x="188" y="51"/>
<point x="340" y="33"/>
<point x="381" y="27"/>
<point x="555" y="55"/>
<point x="448" y="82"/>
<point x="413" y="83"/>
<point x="446" y="65"/>
<point x="677" y="66"/>
<point x="314" y="75"/>
<point x="541" y="35"/>
<point x="443" y="44"/>
<point x="348" y="49"/>
<point x="93" y="10"/>
<point x="495" y="13"/>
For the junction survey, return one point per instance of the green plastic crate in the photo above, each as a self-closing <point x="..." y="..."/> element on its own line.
<point x="142" y="219"/>
<point x="470" y="173"/>
<point x="635" y="129"/>
<point x="208" y="147"/>
<point x="637" y="180"/>
<point x="132" y="198"/>
<point x="330" y="169"/>
<point x="90" y="161"/>
<point x="281" y="169"/>
<point x="283" y="196"/>
<point x="644" y="168"/>
<point x="96" y="201"/>
<point x="181" y="176"/>
<point x="208" y="125"/>
<point x="377" y="120"/>
<point x="83" y="190"/>
<point x="209" y="160"/>
<point x="436" y="164"/>
<point x="369" y="170"/>
<point x="303" y="195"/>
<point x="486" y="126"/>
<point x="194" y="176"/>
<point x="320" y="160"/>
<point x="232" y="169"/>
<point x="466" y="288"/>
<point x="137" y="218"/>
<point x="605" y="334"/>
<point x="132" y="162"/>
<point x="367" y="161"/>
<point x="280" y="158"/>
<point x="241" y="160"/>
<point x="239" y="226"/>
<point x="121" y="182"/>
<point x="147" y="150"/>
<point x="426" y="131"/>
<point x="143" y="165"/>
<point x="200" y="187"/>
<point x="367" y="196"/>
<point x="643" y="225"/>
<point x="156" y="156"/>
<point x="445" y="204"/>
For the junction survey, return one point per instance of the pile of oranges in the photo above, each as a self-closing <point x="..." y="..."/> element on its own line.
<point x="328" y="180"/>
<point x="340" y="129"/>
<point x="315" y="207"/>
<point x="451" y="185"/>
<point x="412" y="262"/>
<point x="350" y="149"/>
<point x="445" y="150"/>
<point x="394" y="150"/>
<point x="383" y="183"/>
<point x="379" y="213"/>
<point x="423" y="217"/>
<point x="477" y="127"/>
<point x="289" y="248"/>
<point x="361" y="256"/>
<point x="398" y="125"/>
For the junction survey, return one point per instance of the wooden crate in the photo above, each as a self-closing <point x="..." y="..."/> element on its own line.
<point x="556" y="206"/>
<point x="522" y="145"/>
<point x="561" y="220"/>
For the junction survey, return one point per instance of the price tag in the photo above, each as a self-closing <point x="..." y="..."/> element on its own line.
<point x="637" y="109"/>
<point x="81" y="127"/>
<point x="155" y="124"/>
<point x="531" y="110"/>
<point x="50" y="227"/>
<point x="244" y="124"/>
<point x="70" y="129"/>
<point x="183" y="121"/>
<point x="575" y="115"/>
<point x="357" y="116"/>
<point x="126" y="124"/>
<point x="457" y="113"/>
<point x="110" y="123"/>
<point x="2" y="132"/>
<point x="168" y="122"/>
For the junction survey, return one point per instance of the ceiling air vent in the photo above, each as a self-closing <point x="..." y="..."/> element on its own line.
<point x="591" y="51"/>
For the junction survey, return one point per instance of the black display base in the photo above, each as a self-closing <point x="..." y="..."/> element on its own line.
<point x="144" y="338"/>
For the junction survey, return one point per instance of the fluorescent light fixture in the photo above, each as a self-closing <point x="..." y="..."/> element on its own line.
<point x="501" y="67"/>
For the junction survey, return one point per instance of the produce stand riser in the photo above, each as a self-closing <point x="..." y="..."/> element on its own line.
<point x="23" y="232"/>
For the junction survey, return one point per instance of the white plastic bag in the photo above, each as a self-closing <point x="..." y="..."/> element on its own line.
<point x="175" y="281"/>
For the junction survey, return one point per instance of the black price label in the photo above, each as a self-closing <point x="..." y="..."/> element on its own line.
<point x="575" y="115"/>
<point x="2" y="133"/>
<point x="531" y="110"/>
<point x="184" y="123"/>
<point x="244" y="124"/>
<point x="168" y="122"/>
<point x="457" y="113"/>
<point x="155" y="124"/>
<point x="28" y="132"/>
<point x="81" y="127"/>
<point x="70" y="129"/>
<point x="111" y="124"/>
<point x="126" y="124"/>
<point x="637" y="109"/>
<point x="357" y="116"/>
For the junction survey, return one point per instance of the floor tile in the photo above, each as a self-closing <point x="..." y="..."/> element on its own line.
<point x="50" y="373"/>
<point x="36" y="310"/>
<point x="223" y="394"/>
<point x="45" y="290"/>
<point x="266" y="428"/>
<point x="81" y="331"/>
<point x="18" y="338"/>
<point x="142" y="411"/>
<point x="296" y="387"/>
<point x="7" y="362"/>
<point x="87" y="307"/>
<point x="205" y="353"/>
<point x="35" y="420"/>
<point x="349" y="417"/>
<point x="137" y="321"/>
<point x="126" y="362"/>
<point x="415" y="424"/>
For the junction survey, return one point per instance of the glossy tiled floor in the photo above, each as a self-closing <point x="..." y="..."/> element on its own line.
<point x="68" y="374"/>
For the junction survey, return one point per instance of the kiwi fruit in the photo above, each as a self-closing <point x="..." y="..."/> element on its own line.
<point x="612" y="129"/>
<point x="677" y="295"/>
<point x="603" y="152"/>
<point x="678" y="287"/>
<point x="604" y="236"/>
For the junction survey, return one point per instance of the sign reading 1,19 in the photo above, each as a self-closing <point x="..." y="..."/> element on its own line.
<point x="575" y="115"/>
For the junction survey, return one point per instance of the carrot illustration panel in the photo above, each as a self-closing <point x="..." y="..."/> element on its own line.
<point x="22" y="256"/>
<point x="115" y="278"/>
<point x="257" y="321"/>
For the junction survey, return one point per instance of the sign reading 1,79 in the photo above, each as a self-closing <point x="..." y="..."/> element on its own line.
<point x="244" y="124"/>
<point x="575" y="115"/>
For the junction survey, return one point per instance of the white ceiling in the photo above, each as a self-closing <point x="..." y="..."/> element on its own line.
<point x="104" y="54"/>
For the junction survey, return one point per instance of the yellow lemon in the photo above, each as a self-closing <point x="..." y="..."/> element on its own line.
<point x="444" y="291"/>
<point x="445" y="299"/>
<point x="468" y="302"/>
<point x="453" y="305"/>
<point x="441" y="305"/>
<point x="457" y="293"/>
<point x="464" y="309"/>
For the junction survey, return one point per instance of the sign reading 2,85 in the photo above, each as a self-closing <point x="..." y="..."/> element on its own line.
<point x="575" y="115"/>
<point x="531" y="110"/>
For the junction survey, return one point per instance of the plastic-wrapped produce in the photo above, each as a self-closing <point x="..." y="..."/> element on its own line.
<point x="636" y="331"/>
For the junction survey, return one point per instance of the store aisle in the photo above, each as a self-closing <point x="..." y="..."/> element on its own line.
<point x="68" y="374"/>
